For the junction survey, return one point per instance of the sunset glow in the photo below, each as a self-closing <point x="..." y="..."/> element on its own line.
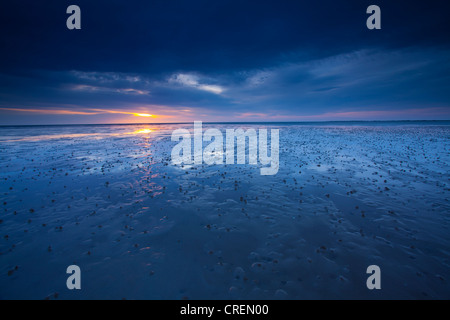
<point x="252" y="75"/>
<point x="143" y="115"/>
<point x="142" y="131"/>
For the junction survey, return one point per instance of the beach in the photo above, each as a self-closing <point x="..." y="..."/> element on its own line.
<point x="108" y="199"/>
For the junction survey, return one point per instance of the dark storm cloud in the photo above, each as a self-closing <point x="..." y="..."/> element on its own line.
<point x="263" y="59"/>
<point x="161" y="36"/>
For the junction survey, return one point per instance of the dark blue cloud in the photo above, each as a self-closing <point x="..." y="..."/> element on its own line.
<point x="272" y="59"/>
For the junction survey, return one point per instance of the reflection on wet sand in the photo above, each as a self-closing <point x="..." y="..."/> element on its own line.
<point x="70" y="136"/>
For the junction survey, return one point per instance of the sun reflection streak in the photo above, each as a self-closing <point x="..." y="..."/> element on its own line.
<point x="142" y="131"/>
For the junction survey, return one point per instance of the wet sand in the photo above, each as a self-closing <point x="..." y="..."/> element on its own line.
<point x="107" y="199"/>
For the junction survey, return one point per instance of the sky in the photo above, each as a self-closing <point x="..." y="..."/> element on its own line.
<point x="216" y="61"/>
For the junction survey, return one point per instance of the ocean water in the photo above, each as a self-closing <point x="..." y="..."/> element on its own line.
<point x="108" y="199"/>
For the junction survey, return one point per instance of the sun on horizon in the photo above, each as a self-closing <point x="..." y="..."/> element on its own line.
<point x="143" y="115"/>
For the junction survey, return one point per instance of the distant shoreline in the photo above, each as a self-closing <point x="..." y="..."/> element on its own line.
<point x="334" y="122"/>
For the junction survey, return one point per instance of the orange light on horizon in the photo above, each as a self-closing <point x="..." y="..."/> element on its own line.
<point x="143" y="115"/>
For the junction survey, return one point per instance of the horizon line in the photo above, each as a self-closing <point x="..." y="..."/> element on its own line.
<point x="214" y="122"/>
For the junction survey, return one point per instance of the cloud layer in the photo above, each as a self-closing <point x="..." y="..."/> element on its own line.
<point x="214" y="61"/>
